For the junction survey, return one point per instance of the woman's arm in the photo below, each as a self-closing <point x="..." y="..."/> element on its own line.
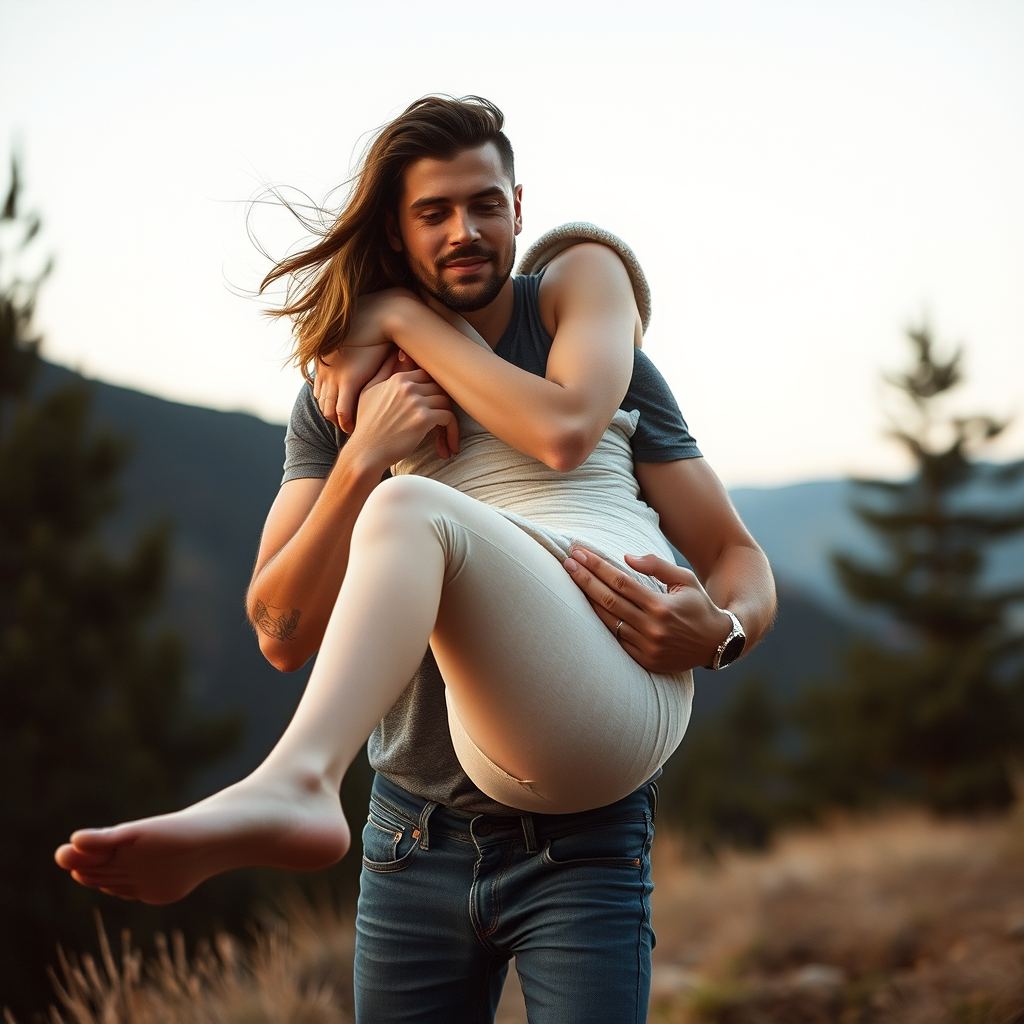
<point x="558" y="418"/>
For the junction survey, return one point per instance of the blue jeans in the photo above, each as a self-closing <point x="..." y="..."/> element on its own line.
<point x="446" y="900"/>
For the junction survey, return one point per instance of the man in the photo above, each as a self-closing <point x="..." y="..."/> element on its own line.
<point x="453" y="883"/>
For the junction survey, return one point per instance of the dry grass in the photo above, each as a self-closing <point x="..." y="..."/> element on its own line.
<point x="903" y="919"/>
<point x="900" y="920"/>
<point x="297" y="972"/>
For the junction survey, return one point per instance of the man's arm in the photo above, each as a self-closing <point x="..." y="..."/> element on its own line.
<point x="683" y="628"/>
<point x="304" y="549"/>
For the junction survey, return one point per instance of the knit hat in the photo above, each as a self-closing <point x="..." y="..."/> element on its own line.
<point x="557" y="240"/>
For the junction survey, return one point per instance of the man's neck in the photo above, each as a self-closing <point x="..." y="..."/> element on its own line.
<point x="491" y="321"/>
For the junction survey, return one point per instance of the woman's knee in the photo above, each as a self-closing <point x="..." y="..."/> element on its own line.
<point x="399" y="504"/>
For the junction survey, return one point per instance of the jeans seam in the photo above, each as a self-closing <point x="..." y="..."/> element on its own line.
<point x="393" y="808"/>
<point x="472" y="895"/>
<point x="507" y="851"/>
<point x="483" y="933"/>
<point x="645" y="856"/>
<point x="389" y="867"/>
<point x="437" y="829"/>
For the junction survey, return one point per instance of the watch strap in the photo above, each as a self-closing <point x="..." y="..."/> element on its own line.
<point x="731" y="647"/>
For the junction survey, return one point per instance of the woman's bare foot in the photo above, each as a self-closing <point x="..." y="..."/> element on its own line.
<point x="263" y="821"/>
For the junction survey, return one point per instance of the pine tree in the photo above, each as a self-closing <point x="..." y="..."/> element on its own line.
<point x="94" y="722"/>
<point x="939" y="717"/>
<point x="727" y="784"/>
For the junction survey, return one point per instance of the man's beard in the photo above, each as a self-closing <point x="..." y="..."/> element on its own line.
<point x="465" y="300"/>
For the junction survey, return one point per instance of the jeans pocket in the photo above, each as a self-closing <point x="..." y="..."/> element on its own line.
<point x="389" y="841"/>
<point x="611" y="844"/>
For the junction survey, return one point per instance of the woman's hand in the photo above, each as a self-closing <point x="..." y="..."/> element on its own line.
<point x="341" y="377"/>
<point x="347" y="374"/>
<point x="342" y="374"/>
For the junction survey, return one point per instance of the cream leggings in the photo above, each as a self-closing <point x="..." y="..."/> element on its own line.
<point x="547" y="712"/>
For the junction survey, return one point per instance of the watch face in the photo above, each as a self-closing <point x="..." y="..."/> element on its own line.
<point x="733" y="649"/>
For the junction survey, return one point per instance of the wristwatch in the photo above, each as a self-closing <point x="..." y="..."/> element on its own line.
<point x="731" y="647"/>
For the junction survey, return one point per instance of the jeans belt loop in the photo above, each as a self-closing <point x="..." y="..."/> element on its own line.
<point x="528" y="833"/>
<point x="652" y="797"/>
<point x="423" y="826"/>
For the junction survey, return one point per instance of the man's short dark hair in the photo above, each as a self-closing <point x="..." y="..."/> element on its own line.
<point x="441" y="127"/>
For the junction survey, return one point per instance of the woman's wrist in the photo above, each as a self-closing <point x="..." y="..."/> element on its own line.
<point x="381" y="317"/>
<point x="404" y="317"/>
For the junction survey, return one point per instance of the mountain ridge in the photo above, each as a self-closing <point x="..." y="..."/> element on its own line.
<point x="215" y="474"/>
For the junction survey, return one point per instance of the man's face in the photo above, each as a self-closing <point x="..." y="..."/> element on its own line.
<point x="457" y="222"/>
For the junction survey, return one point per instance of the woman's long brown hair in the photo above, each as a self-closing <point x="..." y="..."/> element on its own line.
<point x="353" y="256"/>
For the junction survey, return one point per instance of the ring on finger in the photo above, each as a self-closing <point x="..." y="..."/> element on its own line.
<point x="617" y="628"/>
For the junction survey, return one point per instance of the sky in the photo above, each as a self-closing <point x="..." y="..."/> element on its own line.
<point x="801" y="181"/>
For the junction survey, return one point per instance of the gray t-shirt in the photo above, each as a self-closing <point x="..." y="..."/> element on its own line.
<point x="412" y="746"/>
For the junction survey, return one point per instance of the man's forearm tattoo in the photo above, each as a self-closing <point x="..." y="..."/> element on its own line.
<point x="278" y="627"/>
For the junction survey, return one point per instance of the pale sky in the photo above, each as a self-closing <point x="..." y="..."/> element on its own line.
<point x="800" y="180"/>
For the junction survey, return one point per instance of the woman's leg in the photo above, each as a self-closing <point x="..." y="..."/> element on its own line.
<point x="545" y="699"/>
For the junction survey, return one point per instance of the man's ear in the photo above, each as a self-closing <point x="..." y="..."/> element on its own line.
<point x="517" y="207"/>
<point x="394" y="235"/>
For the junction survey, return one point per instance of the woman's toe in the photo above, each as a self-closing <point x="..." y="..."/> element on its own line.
<point x="95" y="839"/>
<point x="71" y="858"/>
<point x="97" y="877"/>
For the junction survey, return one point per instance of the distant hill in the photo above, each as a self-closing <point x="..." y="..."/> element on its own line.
<point x="806" y="646"/>
<point x="215" y="474"/>
<point x="801" y="525"/>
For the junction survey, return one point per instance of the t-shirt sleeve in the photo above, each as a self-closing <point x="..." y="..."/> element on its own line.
<point x="311" y="443"/>
<point x="661" y="433"/>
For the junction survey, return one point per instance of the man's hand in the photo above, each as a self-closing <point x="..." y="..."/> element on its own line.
<point x="397" y="408"/>
<point x="663" y="632"/>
